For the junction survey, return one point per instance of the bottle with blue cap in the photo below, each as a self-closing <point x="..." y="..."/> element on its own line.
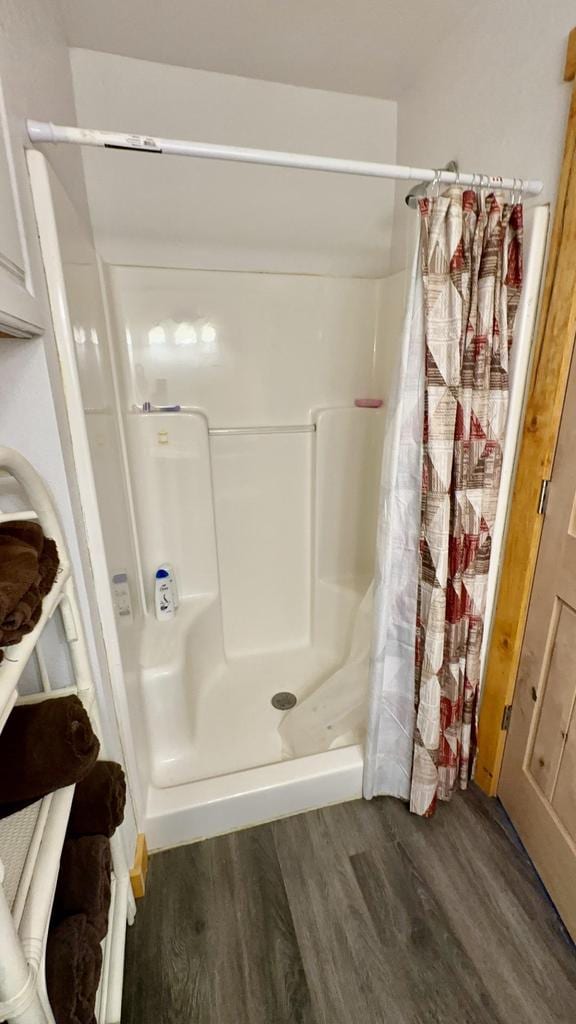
<point x="165" y="598"/>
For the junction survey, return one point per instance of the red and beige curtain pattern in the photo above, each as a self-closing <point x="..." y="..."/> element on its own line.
<point x="471" y="256"/>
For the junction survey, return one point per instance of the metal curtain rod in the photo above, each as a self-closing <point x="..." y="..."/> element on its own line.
<point x="45" y="131"/>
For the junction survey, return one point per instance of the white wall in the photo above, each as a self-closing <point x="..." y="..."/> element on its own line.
<point x="491" y="97"/>
<point x="36" y="79"/>
<point x="35" y="72"/>
<point x="174" y="211"/>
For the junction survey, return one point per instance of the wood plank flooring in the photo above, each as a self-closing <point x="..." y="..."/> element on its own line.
<point x="355" y="914"/>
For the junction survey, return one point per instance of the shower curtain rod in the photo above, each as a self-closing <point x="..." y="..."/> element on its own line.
<point x="45" y="131"/>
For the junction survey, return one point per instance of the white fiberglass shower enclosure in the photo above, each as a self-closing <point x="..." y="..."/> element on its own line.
<point x="213" y="412"/>
<point x="212" y="358"/>
<point x="260" y="492"/>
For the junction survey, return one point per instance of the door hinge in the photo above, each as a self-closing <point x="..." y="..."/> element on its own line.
<point x="543" y="497"/>
<point x="506" y="715"/>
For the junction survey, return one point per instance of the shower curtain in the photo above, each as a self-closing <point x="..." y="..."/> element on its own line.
<point x="439" y="491"/>
<point x="391" y="712"/>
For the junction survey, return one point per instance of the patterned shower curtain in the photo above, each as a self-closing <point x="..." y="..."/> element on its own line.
<point x="471" y="264"/>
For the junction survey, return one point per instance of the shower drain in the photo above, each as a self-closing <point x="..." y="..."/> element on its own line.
<point x="284" y="700"/>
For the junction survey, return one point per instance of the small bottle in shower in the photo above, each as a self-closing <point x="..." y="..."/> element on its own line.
<point x="165" y="600"/>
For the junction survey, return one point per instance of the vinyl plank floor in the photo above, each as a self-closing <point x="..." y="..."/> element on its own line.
<point x="348" y="973"/>
<point x="355" y="914"/>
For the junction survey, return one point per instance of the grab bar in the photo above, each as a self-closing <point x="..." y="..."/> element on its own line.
<point x="298" y="428"/>
<point x="288" y="428"/>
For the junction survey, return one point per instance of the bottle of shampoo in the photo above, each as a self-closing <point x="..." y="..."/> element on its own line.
<point x="164" y="594"/>
<point x="175" y="597"/>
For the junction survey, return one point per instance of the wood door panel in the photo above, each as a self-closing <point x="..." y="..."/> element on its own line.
<point x="538" y="780"/>
<point x="564" y="799"/>
<point x="556" y="700"/>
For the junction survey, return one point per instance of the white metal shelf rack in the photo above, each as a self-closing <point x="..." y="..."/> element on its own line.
<point x="31" y="840"/>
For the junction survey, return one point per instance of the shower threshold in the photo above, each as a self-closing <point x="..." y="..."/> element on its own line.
<point x="211" y="807"/>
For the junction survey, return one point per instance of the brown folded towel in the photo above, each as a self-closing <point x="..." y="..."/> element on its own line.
<point x="28" y="567"/>
<point x="18" y="571"/>
<point x="49" y="565"/>
<point x="47" y="568"/>
<point x="83" y="885"/>
<point x="73" y="967"/>
<point x="43" y="747"/>
<point x="26" y="615"/>
<point x="28" y="531"/>
<point x="99" y="800"/>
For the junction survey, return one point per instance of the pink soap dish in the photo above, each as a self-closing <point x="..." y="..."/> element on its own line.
<point x="368" y="403"/>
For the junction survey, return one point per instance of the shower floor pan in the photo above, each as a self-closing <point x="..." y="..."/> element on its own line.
<point x="232" y="724"/>
<point x="216" y="756"/>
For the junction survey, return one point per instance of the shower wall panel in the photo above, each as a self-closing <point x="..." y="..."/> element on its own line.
<point x="262" y="486"/>
<point x="89" y="332"/>
<point x="171" y="480"/>
<point x="348" y="455"/>
<point x="393" y="291"/>
<point x="257" y="519"/>
<point x="247" y="349"/>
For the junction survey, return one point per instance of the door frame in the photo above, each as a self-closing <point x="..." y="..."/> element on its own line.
<point x="553" y="348"/>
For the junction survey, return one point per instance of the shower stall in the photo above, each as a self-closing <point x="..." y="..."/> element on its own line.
<point x="258" y="488"/>
<point x="228" y="350"/>
<point x="214" y="419"/>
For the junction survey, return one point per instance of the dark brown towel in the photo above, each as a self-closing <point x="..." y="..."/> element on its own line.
<point x="47" y="568"/>
<point x="18" y="571"/>
<point x="43" y="747"/>
<point x="99" y="800"/>
<point x="28" y="531"/>
<point x="28" y="567"/>
<point x="83" y="885"/>
<point x="49" y="565"/>
<point x="73" y="967"/>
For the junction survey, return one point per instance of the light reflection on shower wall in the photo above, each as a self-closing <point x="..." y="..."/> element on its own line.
<point x="245" y="348"/>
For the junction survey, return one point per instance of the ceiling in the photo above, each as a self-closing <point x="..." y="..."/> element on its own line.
<point x="364" y="47"/>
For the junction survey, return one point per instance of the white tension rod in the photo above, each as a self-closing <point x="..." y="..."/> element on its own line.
<point x="45" y="131"/>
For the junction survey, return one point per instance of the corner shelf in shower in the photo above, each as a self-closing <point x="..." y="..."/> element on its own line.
<point x="31" y="840"/>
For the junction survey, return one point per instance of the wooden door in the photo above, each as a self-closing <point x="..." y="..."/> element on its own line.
<point x="538" y="780"/>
